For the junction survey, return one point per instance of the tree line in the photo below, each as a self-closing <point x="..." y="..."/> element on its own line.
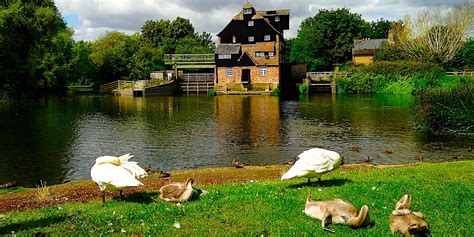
<point x="38" y="54"/>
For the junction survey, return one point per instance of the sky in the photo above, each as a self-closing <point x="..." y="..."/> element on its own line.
<point x="91" y="19"/>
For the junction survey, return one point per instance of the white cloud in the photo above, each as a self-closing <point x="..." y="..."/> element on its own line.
<point x="99" y="16"/>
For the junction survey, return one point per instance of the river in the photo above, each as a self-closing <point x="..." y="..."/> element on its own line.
<point x="57" y="139"/>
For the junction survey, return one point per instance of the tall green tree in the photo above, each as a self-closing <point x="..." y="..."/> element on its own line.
<point x="82" y="67"/>
<point x="327" y="38"/>
<point x="33" y="38"/>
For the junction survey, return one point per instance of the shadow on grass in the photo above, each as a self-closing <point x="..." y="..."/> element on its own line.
<point x="323" y="183"/>
<point x="44" y="222"/>
<point x="140" y="197"/>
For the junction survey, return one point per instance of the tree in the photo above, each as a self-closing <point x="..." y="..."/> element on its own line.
<point x="379" y="29"/>
<point x="434" y="36"/>
<point x="33" y="46"/>
<point x="112" y="54"/>
<point x="327" y="38"/>
<point x="82" y="67"/>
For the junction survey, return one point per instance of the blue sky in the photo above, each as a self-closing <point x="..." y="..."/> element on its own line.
<point x="92" y="18"/>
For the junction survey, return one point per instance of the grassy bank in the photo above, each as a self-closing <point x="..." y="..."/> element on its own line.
<point x="443" y="192"/>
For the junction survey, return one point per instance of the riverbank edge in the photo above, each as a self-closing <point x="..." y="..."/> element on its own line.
<point x="86" y="190"/>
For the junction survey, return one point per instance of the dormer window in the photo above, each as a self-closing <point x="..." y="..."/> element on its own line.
<point x="251" y="39"/>
<point x="234" y="39"/>
<point x="266" y="38"/>
<point x="277" y="18"/>
<point x="247" y="11"/>
<point x="250" y="23"/>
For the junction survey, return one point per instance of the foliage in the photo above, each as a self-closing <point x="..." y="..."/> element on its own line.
<point x="379" y="29"/>
<point x="447" y="107"/>
<point x="303" y="88"/>
<point x="326" y="38"/>
<point x="434" y="36"/>
<point x="82" y="67"/>
<point x="33" y="40"/>
<point x="276" y="91"/>
<point x="390" y="52"/>
<point x="212" y="93"/>
<point x="267" y="206"/>
<point x="42" y="190"/>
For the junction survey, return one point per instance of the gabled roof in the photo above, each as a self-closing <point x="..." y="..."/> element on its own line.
<point x="228" y="49"/>
<point x="262" y="47"/>
<point x="246" y="57"/>
<point x="368" y="44"/>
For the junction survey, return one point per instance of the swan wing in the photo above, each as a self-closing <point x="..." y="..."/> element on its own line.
<point x="173" y="190"/>
<point x="312" y="163"/>
<point x="108" y="175"/>
<point x="134" y="169"/>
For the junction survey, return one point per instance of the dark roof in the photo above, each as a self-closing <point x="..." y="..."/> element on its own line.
<point x="368" y="44"/>
<point x="228" y="49"/>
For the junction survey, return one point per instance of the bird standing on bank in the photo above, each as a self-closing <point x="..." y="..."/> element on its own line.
<point x="116" y="173"/>
<point x="313" y="163"/>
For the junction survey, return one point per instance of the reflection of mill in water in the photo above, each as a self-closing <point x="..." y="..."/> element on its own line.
<point x="248" y="124"/>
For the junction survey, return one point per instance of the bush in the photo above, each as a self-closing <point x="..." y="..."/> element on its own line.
<point x="389" y="52"/>
<point x="398" y="68"/>
<point x="276" y="91"/>
<point x="446" y="109"/>
<point x="304" y="88"/>
<point x="212" y="93"/>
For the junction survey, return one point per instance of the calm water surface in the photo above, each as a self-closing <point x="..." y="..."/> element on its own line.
<point x="58" y="138"/>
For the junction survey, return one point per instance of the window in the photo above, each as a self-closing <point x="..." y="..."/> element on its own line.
<point x="277" y="18"/>
<point x="266" y="38"/>
<point x="229" y="71"/>
<point x="251" y="38"/>
<point x="248" y="11"/>
<point x="271" y="54"/>
<point x="250" y="23"/>
<point x="225" y="56"/>
<point x="259" y="54"/>
<point x="234" y="39"/>
<point x="263" y="71"/>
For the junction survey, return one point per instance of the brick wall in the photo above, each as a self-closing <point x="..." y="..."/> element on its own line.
<point x="271" y="80"/>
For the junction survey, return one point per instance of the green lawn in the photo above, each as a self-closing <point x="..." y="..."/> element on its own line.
<point x="443" y="192"/>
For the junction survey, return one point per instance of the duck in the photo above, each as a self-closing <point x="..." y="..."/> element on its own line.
<point x="237" y="164"/>
<point x="407" y="222"/>
<point x="337" y="211"/>
<point x="419" y="158"/>
<point x="177" y="191"/>
<point x="293" y="160"/>
<point x="313" y="163"/>
<point x="354" y="149"/>
<point x="367" y="160"/>
<point x="388" y="151"/>
<point x="116" y="173"/>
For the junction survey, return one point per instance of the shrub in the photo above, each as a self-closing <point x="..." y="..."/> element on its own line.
<point x="212" y="93"/>
<point x="446" y="108"/>
<point x="42" y="190"/>
<point x="276" y="91"/>
<point x="304" y="88"/>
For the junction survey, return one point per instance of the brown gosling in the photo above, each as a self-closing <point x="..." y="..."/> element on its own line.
<point x="354" y="149"/>
<point x="237" y="164"/>
<point x="337" y="211"/>
<point x="407" y="222"/>
<point x="177" y="192"/>
<point x="388" y="151"/>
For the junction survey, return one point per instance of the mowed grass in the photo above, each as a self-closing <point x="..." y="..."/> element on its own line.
<point x="443" y="192"/>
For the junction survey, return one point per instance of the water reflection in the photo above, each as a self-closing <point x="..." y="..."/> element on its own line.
<point x="57" y="139"/>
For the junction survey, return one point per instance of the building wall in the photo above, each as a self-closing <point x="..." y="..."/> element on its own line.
<point x="257" y="82"/>
<point x="362" y="59"/>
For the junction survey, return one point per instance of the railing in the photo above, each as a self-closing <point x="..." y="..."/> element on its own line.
<point x="188" y="58"/>
<point x="108" y="87"/>
<point x="463" y="73"/>
<point x="198" y="77"/>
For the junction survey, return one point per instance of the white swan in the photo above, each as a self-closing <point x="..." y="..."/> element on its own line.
<point x="116" y="173"/>
<point x="313" y="163"/>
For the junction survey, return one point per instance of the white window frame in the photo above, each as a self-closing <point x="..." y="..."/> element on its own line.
<point x="251" y="39"/>
<point x="259" y="54"/>
<point x="277" y="18"/>
<point x="225" y="56"/>
<point x="263" y="71"/>
<point x="229" y="71"/>
<point x="247" y="11"/>
<point x="250" y="23"/>
<point x="234" y="39"/>
<point x="271" y="54"/>
<point x="267" y="38"/>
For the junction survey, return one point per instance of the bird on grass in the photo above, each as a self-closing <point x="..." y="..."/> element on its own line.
<point x="313" y="163"/>
<point x="116" y="173"/>
<point x="177" y="192"/>
<point x="237" y="164"/>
